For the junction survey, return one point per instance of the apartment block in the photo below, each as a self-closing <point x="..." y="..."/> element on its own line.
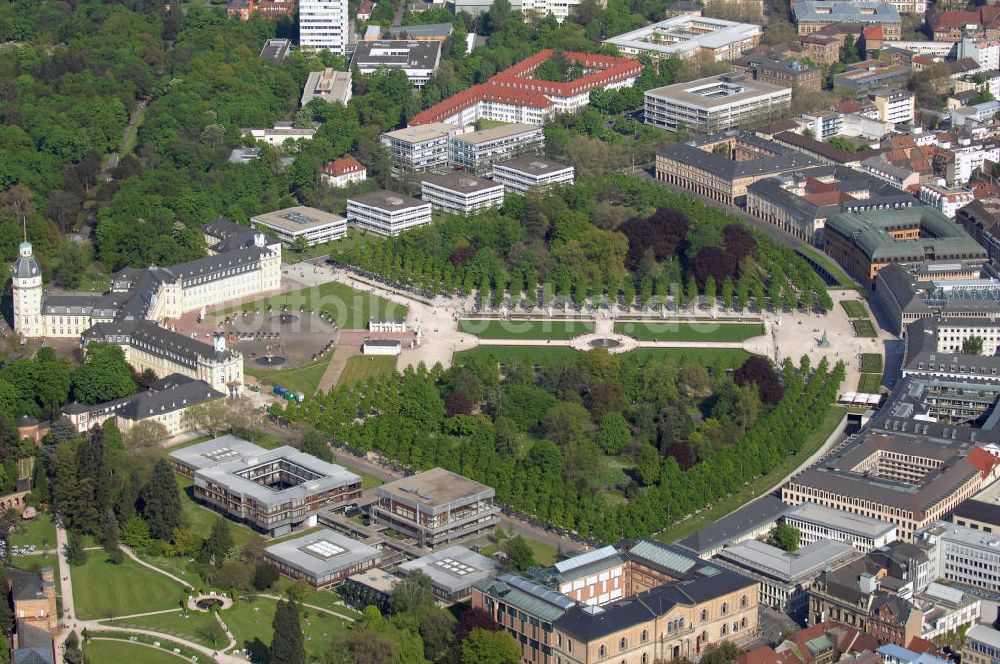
<point x="421" y="147"/>
<point x="460" y="194"/>
<point x="524" y="174"/>
<point x="387" y="213"/>
<point x="894" y="106"/>
<point x="324" y="25"/>
<point x="477" y="151"/>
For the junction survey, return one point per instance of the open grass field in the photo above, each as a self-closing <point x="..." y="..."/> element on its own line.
<point x="545" y="554"/>
<point x="250" y="623"/>
<point x="326" y="599"/>
<point x="200" y="519"/>
<point x="708" y="331"/>
<point x="104" y="590"/>
<point x="40" y="531"/>
<point x="511" y="329"/>
<point x="350" y="308"/>
<point x="303" y="379"/>
<point x="843" y="281"/>
<point x="362" y="367"/>
<point x="99" y="651"/>
<point x="864" y="328"/>
<point x="869" y="383"/>
<point x="760" y="485"/>
<point x="545" y="354"/>
<point x="854" y="308"/>
<point x="871" y="362"/>
<point x="188" y="625"/>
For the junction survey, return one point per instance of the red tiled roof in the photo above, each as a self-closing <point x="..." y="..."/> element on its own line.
<point x="761" y="655"/>
<point x="343" y="166"/>
<point x="921" y="645"/>
<point x="982" y="460"/>
<point x="828" y="198"/>
<point x="949" y="20"/>
<point x="873" y="33"/>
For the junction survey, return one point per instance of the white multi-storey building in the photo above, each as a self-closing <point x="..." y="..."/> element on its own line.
<point x="690" y="37"/>
<point x="817" y="522"/>
<point x="323" y="25"/>
<point x="946" y="199"/>
<point x="716" y="103"/>
<point x="315" y="226"/>
<point x="523" y="174"/>
<point x="460" y="193"/>
<point x="387" y="213"/>
<point x="420" y="148"/>
<point x="477" y="151"/>
<point x="894" y="106"/>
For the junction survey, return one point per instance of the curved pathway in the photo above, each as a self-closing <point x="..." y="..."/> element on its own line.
<point x="214" y="655"/>
<point x="139" y="643"/>
<point x="176" y="579"/>
<point x="313" y="607"/>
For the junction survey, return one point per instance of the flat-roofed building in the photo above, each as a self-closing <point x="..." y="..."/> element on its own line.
<point x="421" y="147"/>
<point x="690" y="37"/>
<point x="210" y="453"/>
<point x="460" y="193"/>
<point x="328" y="85"/>
<point x="477" y="151"/>
<point x="387" y="213"/>
<point x="524" y="174"/>
<point x="431" y="31"/>
<point x="322" y="558"/>
<point x="814" y="15"/>
<point x="908" y="292"/>
<point x="870" y="76"/>
<point x="390" y="347"/>
<point x="947" y="199"/>
<point x="967" y="556"/>
<point x="453" y="571"/>
<point x="418" y="59"/>
<point x="280" y="134"/>
<point x="270" y="490"/>
<point x="982" y="645"/>
<point x="715" y="103"/>
<point x="436" y="507"/>
<point x="289" y="224"/>
<point x="894" y="106"/>
<point x="817" y="523"/>
<point x="373" y="587"/>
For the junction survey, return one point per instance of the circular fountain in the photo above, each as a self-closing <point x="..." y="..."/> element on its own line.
<point x="270" y="360"/>
<point x="605" y="343"/>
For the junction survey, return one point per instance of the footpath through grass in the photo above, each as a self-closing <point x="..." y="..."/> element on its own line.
<point x="102" y="589"/>
<point x="99" y="651"/>
<point x="519" y="329"/>
<point x="360" y="368"/>
<point x="707" y="331"/>
<point x="350" y="308"/>
<point x="761" y="484"/>
<point x="303" y="379"/>
<point x="188" y="625"/>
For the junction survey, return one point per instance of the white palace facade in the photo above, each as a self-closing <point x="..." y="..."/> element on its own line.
<point x="240" y="263"/>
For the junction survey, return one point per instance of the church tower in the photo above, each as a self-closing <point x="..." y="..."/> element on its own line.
<point x="27" y="285"/>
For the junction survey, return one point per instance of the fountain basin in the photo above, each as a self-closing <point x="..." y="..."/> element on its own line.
<point x="270" y="360"/>
<point x="605" y="343"/>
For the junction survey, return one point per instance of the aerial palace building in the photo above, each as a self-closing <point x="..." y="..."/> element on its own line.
<point x="241" y="263"/>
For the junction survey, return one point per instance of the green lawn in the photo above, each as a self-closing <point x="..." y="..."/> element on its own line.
<point x="854" y="308"/>
<point x="864" y="328"/>
<point x="511" y="329"/>
<point x="871" y="362"/>
<point x="708" y="331"/>
<point x="362" y="367"/>
<point x="303" y="379"/>
<point x="545" y="354"/>
<point x="104" y="590"/>
<point x="188" y="625"/>
<point x="200" y="519"/>
<point x="252" y="628"/>
<point x="116" y="652"/>
<point x="326" y="599"/>
<point x="869" y="383"/>
<point x="350" y="308"/>
<point x="40" y="531"/>
<point x="756" y="487"/>
<point x="545" y="554"/>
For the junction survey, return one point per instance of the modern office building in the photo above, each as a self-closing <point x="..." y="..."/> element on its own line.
<point x="814" y="15"/>
<point x="817" y="523"/>
<point x="322" y="558"/>
<point x="524" y="174"/>
<point x="871" y="76"/>
<point x="275" y="50"/>
<point x="453" y="571"/>
<point x="270" y="490"/>
<point x="460" y="194"/>
<point x="289" y="224"/>
<point x="967" y="556"/>
<point x="421" y="147"/>
<point x="690" y="37"/>
<point x="477" y="151"/>
<point x="387" y="213"/>
<point x="716" y="103"/>
<point x="418" y="59"/>
<point x="436" y="507"/>
<point x="328" y="85"/>
<point x="324" y="25"/>
<point x="753" y="521"/>
<point x="982" y="645"/>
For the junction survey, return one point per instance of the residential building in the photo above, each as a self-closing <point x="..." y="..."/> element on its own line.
<point x="814" y="15"/>
<point x="328" y="85"/>
<point x="244" y="155"/>
<point x="421" y="147"/>
<point x="787" y="72"/>
<point x="270" y="490"/>
<point x="753" y="521"/>
<point x="784" y="577"/>
<point x="365" y="13"/>
<point x="477" y="151"/>
<point x="969" y="115"/>
<point x="823" y="125"/>
<point x="721" y="167"/>
<point x="817" y="523"/>
<point x="429" y="31"/>
<point x="342" y="172"/>
<point x="894" y="106"/>
<point x="524" y="174"/>
<point x="893" y="654"/>
<point x="417" y="59"/>
<point x="689" y="37"/>
<point x="289" y="224"/>
<point x="898" y="176"/>
<point x="275" y="49"/>
<point x="453" y="571"/>
<point x="870" y="76"/>
<point x="280" y="134"/>
<point x="986" y="52"/>
<point x="539" y="9"/>
<point x="865" y="242"/>
<point x="982" y="645"/>
<point x="952" y="26"/>
<point x="716" y="103"/>
<point x="514" y="95"/>
<point x="460" y="194"/>
<point x="324" y="25"/>
<point x="436" y="507"/>
<point x="386" y="212"/>
<point x="981" y="220"/>
<point x="322" y="558"/>
<point x="949" y="200"/>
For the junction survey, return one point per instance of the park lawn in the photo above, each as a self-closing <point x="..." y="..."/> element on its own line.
<point x="104" y="590"/>
<point x="39" y="531"/>
<point x="543" y="355"/>
<point x="864" y="328"/>
<point x="757" y="486"/>
<point x="708" y="331"/>
<point x="188" y="625"/>
<point x="350" y="308"/>
<point x="513" y="329"/>
<point x="871" y="362"/>
<point x="545" y="554"/>
<point x="869" y="383"/>
<point x="101" y="651"/>
<point x="325" y="599"/>
<point x="360" y="368"/>
<point x="854" y="308"/>
<point x="250" y="623"/>
<point x="843" y="281"/>
<point x="200" y="519"/>
<point x="303" y="379"/>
